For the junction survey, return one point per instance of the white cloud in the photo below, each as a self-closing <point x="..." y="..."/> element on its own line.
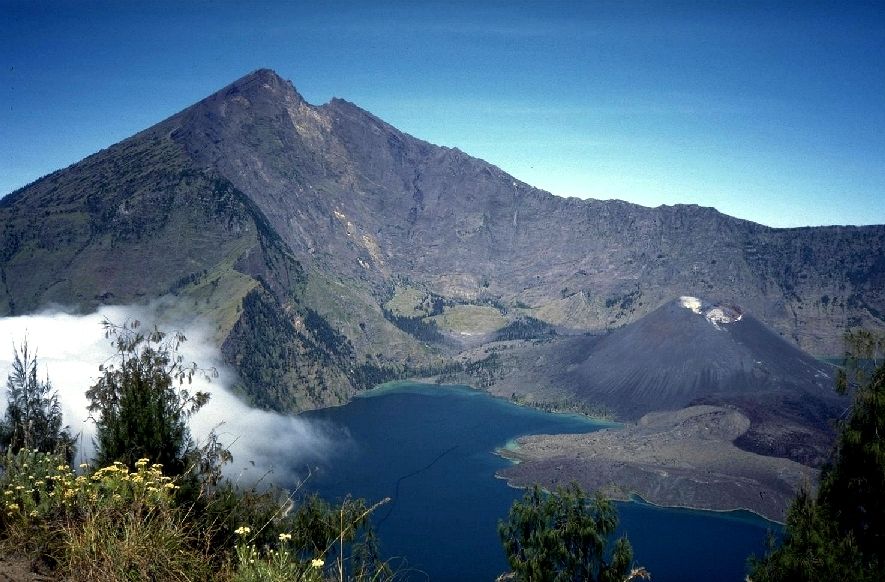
<point x="71" y="347"/>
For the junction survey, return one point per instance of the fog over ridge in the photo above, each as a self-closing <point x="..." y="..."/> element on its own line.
<point x="70" y="348"/>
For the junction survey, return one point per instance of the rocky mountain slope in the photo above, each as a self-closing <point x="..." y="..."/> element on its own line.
<point x="331" y="250"/>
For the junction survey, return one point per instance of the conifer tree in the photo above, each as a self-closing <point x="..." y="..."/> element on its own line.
<point x="33" y="417"/>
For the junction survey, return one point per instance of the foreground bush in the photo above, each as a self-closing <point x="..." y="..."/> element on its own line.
<point x="316" y="538"/>
<point x="111" y="524"/>
<point x="128" y="520"/>
<point x="33" y="418"/>
<point x="115" y="524"/>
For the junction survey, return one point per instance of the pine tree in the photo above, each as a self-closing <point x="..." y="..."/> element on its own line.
<point x="33" y="417"/>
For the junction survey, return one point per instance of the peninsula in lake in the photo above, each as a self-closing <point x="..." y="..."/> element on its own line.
<point x="331" y="252"/>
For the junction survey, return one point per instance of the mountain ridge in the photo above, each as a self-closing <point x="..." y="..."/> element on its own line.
<point x="333" y="231"/>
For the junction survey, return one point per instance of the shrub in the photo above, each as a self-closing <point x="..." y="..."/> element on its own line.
<point x="141" y="401"/>
<point x="111" y="524"/>
<point x="278" y="564"/>
<point x="839" y="532"/>
<point x="316" y="537"/>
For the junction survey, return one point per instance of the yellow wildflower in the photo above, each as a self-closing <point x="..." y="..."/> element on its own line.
<point x="317" y="563"/>
<point x="243" y="530"/>
<point x="284" y="537"/>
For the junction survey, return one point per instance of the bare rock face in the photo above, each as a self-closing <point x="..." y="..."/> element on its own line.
<point x="313" y="216"/>
<point x="357" y="196"/>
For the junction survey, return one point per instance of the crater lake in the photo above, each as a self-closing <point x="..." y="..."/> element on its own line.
<point x="431" y="449"/>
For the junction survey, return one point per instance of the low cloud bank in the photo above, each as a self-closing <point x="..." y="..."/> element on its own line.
<point x="70" y="348"/>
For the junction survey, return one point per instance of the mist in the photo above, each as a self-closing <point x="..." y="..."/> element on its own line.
<point x="69" y="348"/>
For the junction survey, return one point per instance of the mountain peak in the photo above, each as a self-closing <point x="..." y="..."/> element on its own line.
<point x="715" y="313"/>
<point x="264" y="74"/>
<point x="262" y="81"/>
<point x="267" y="77"/>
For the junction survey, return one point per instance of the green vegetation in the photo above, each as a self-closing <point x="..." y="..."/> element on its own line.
<point x="412" y="302"/>
<point x="478" y="373"/>
<point x="623" y="301"/>
<point x="335" y="343"/>
<point x="470" y="319"/>
<point x="526" y="327"/>
<point x="134" y="519"/>
<point x="140" y="401"/>
<point x="213" y="295"/>
<point x="565" y="536"/>
<point x="287" y="363"/>
<point x="117" y="524"/>
<point x="839" y="533"/>
<point x="422" y="314"/>
<point x="418" y="327"/>
<point x="109" y="524"/>
<point x="33" y="416"/>
<point x="407" y="302"/>
<point x="566" y="404"/>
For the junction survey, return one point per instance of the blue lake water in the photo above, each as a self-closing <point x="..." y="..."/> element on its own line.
<point x="431" y="450"/>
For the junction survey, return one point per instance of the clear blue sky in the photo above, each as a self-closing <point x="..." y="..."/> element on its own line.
<point x="773" y="112"/>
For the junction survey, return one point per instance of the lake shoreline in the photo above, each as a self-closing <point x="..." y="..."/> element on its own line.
<point x="681" y="459"/>
<point x="430" y="447"/>
<point x="634" y="497"/>
<point x="627" y="478"/>
<point x="432" y="381"/>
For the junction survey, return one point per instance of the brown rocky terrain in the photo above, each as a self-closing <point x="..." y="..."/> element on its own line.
<point x="684" y="458"/>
